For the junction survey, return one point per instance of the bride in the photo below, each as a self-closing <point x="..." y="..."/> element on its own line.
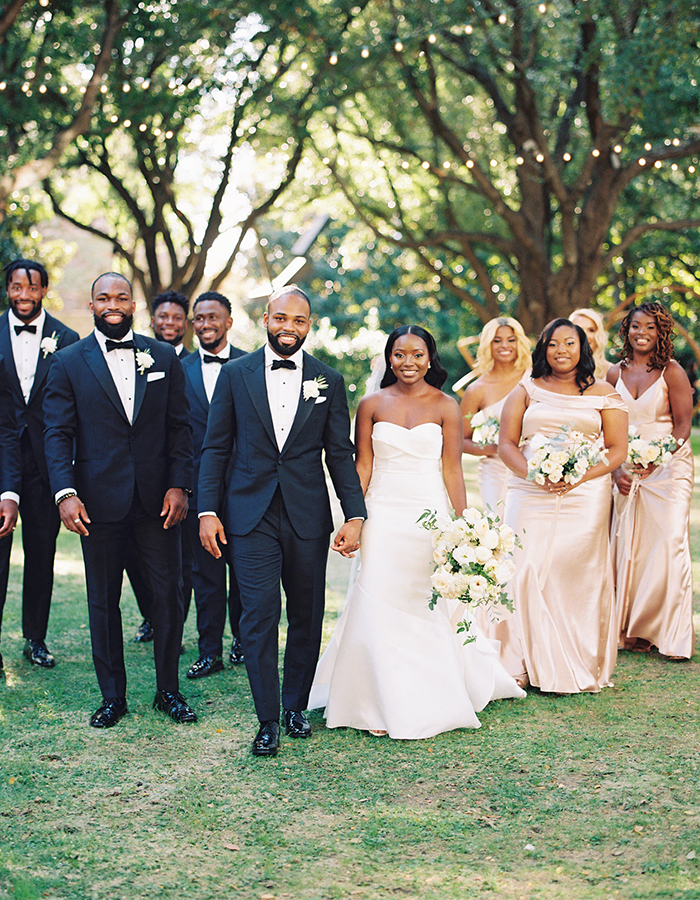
<point x="394" y="666"/>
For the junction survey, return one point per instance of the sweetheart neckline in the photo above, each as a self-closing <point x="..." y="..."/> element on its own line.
<point x="404" y="428"/>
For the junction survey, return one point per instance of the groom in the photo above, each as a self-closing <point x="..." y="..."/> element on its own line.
<point x="274" y="414"/>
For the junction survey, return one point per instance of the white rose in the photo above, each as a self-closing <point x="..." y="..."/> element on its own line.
<point x="483" y="554"/>
<point x="537" y="441"/>
<point x="464" y="554"/>
<point x="490" y="539"/>
<point x="504" y="571"/>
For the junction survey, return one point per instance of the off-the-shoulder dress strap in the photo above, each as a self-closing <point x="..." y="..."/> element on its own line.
<point x="614" y="401"/>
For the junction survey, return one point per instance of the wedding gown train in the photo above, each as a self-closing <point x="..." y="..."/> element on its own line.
<point x="393" y="664"/>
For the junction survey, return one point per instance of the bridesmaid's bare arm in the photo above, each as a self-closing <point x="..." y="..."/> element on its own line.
<point x="680" y="398"/>
<point x="510" y="432"/>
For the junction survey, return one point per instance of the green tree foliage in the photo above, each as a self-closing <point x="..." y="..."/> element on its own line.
<point x="168" y="151"/>
<point x="53" y="57"/>
<point x="519" y="149"/>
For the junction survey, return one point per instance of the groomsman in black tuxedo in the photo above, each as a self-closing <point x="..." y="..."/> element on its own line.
<point x="119" y="399"/>
<point x="275" y="415"/>
<point x="29" y="337"/>
<point x="211" y="321"/>
<point x="169" y="311"/>
<point x="10" y="475"/>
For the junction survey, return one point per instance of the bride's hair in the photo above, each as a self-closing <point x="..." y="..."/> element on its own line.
<point x="585" y="370"/>
<point x="436" y="374"/>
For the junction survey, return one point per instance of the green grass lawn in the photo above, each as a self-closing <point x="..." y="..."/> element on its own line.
<point x="578" y="798"/>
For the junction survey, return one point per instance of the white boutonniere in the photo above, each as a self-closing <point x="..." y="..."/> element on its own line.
<point x="49" y="344"/>
<point x="144" y="360"/>
<point x="312" y="388"/>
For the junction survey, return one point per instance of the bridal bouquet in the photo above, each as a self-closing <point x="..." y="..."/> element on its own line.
<point x="473" y="560"/>
<point x="655" y="452"/>
<point x="565" y="457"/>
<point x="485" y="429"/>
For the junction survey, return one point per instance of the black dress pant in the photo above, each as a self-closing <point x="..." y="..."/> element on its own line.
<point x="40" y="525"/>
<point x="159" y="552"/>
<point x="139" y="581"/>
<point x="210" y="593"/>
<point x="272" y="552"/>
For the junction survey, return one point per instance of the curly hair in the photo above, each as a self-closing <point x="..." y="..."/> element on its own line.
<point x="664" y="350"/>
<point x="484" y="356"/>
<point x="585" y="368"/>
<point x="436" y="374"/>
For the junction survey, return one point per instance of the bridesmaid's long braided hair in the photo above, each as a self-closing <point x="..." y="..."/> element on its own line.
<point x="664" y="350"/>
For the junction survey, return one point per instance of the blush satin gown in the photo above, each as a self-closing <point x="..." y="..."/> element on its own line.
<point x="651" y="548"/>
<point x="393" y="664"/>
<point x="563" y="589"/>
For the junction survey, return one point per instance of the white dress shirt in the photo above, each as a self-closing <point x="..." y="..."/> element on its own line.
<point x="25" y="350"/>
<point x="179" y="349"/>
<point x="122" y="367"/>
<point x="211" y="371"/>
<point x="283" y="389"/>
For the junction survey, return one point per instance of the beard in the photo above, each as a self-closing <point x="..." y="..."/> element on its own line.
<point x="283" y="349"/>
<point x="114" y="332"/>
<point x="210" y="346"/>
<point x="172" y="341"/>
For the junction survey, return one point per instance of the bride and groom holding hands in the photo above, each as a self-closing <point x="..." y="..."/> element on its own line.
<point x="393" y="665"/>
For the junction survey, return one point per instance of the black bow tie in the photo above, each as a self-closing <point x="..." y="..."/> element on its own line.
<point x="214" y="359"/>
<point x="119" y="345"/>
<point x="20" y="328"/>
<point x="283" y="364"/>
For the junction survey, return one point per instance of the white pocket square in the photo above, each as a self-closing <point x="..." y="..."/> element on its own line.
<point x="321" y="399"/>
<point x="155" y="376"/>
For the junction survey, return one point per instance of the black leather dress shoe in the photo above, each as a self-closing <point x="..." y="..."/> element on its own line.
<point x="267" y="740"/>
<point x="144" y="633"/>
<point x="175" y="706"/>
<point x="109" y="713"/>
<point x="38" y="655"/>
<point x="206" y="665"/>
<point x="297" y="724"/>
<point x="236" y="657"/>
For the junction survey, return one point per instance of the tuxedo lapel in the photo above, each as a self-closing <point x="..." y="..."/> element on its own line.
<point x="44" y="360"/>
<point x="96" y="361"/>
<point x="253" y="375"/>
<point x="197" y="381"/>
<point x="304" y="407"/>
<point x="6" y="351"/>
<point x="141" y="377"/>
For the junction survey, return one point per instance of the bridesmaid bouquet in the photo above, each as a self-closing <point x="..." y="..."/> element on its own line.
<point x="655" y="452"/>
<point x="473" y="558"/>
<point x="485" y="429"/>
<point x="565" y="457"/>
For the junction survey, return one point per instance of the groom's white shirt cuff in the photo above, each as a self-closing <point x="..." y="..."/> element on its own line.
<point x="59" y="495"/>
<point x="10" y="495"/>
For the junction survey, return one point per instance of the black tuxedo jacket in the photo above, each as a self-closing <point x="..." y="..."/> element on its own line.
<point x="10" y="454"/>
<point x="30" y="415"/>
<point x="199" y="406"/>
<point x="113" y="457"/>
<point x="240" y="432"/>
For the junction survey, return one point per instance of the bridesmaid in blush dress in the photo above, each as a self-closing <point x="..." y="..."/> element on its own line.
<point x="502" y="360"/>
<point x="394" y="666"/>
<point x="562" y="589"/>
<point x="651" y="550"/>
<point x="592" y="324"/>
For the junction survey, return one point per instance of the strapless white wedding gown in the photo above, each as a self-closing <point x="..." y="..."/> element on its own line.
<point x="393" y="664"/>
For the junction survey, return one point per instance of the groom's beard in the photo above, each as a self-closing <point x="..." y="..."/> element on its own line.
<point x="114" y="332"/>
<point x="284" y="349"/>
